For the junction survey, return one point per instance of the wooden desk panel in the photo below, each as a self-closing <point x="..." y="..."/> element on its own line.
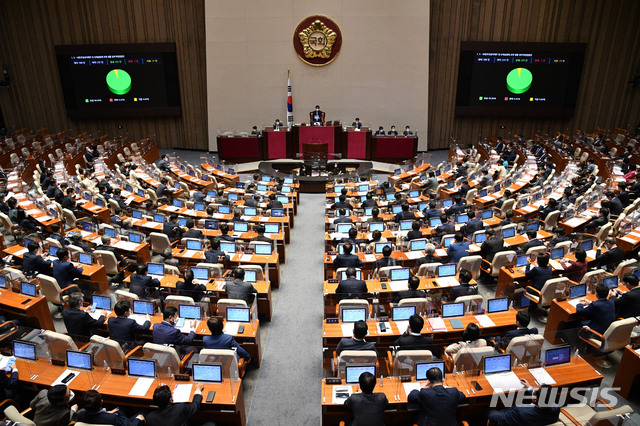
<point x="33" y="310"/>
<point x="628" y="372"/>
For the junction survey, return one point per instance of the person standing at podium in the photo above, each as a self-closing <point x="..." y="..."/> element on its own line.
<point x="317" y="117"/>
<point x="357" y="124"/>
<point x="277" y="124"/>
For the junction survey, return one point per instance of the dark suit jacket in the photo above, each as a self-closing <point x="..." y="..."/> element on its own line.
<point x="172" y="230"/>
<point x="140" y="284"/>
<point x="368" y="409"/>
<point x="346" y="260"/>
<point x="611" y="258"/>
<point x="80" y="323"/>
<point x="274" y="204"/>
<point x="386" y="261"/>
<point x="195" y="291"/>
<point x="409" y="294"/>
<point x="238" y="289"/>
<point x="215" y="256"/>
<point x="123" y="329"/>
<point x="225" y="341"/>
<point x="490" y="247"/>
<point x="463" y="290"/>
<point x="531" y="243"/>
<point x="628" y="304"/>
<point x="600" y="313"/>
<point x="351" y="344"/>
<point x="65" y="272"/>
<point x="414" y="235"/>
<point x="357" y="124"/>
<point x="369" y="203"/>
<point x="525" y="415"/>
<point x="352" y="288"/>
<point x="446" y="228"/>
<point x="68" y="203"/>
<point x="192" y="233"/>
<point x="472" y="226"/>
<point x="457" y="251"/>
<point x="437" y="405"/>
<point x="104" y="418"/>
<point x="538" y="275"/>
<point x="7" y="382"/>
<point x="343" y="219"/>
<point x="32" y="262"/>
<point x="404" y="216"/>
<point x="174" y="414"/>
<point x="518" y="332"/>
<point x="166" y="334"/>
<point x="409" y="341"/>
<point x="615" y="206"/>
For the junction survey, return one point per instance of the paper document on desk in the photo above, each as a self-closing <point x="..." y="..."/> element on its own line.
<point x="182" y="393"/>
<point x="94" y="208"/>
<point x="574" y="302"/>
<point x="485" y="321"/>
<point x="20" y="252"/>
<point x="347" y="329"/>
<point x="447" y="282"/>
<point x="4" y="360"/>
<point x="441" y="252"/>
<point x="591" y="254"/>
<point x="437" y="324"/>
<point x="218" y="216"/>
<point x="231" y="327"/>
<point x="411" y="386"/>
<point x="413" y="255"/>
<point x="575" y="221"/>
<point x="246" y="258"/>
<point x="340" y="394"/>
<point x="189" y="253"/>
<point x="337" y="235"/>
<point x="129" y="200"/>
<point x="189" y="212"/>
<point x="398" y="285"/>
<point x="402" y="326"/>
<point x="140" y="319"/>
<point x="97" y="240"/>
<point x="44" y="218"/>
<point x="529" y="209"/>
<point x="186" y="328"/>
<point x="504" y="381"/>
<point x="97" y="314"/>
<point x="172" y="208"/>
<point x="141" y="387"/>
<point x="370" y="257"/>
<point x="634" y="234"/>
<point x="629" y="239"/>
<point x="126" y="245"/>
<point x="31" y="212"/>
<point x="555" y="264"/>
<point x="85" y="234"/>
<point x="541" y="376"/>
<point x="58" y="381"/>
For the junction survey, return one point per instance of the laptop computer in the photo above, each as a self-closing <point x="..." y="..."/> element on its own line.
<point x="100" y="302"/>
<point x="380" y="246"/>
<point x="611" y="281"/>
<point x="24" y="350"/>
<point x="509" y="233"/>
<point x="522" y="260"/>
<point x="417" y="245"/>
<point x="376" y="226"/>
<point x="479" y="238"/>
<point x="155" y="269"/>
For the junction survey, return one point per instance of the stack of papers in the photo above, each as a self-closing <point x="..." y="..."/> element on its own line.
<point x="485" y="321"/>
<point x="575" y="221"/>
<point x="126" y="245"/>
<point x="246" y="258"/>
<point x="398" y="285"/>
<point x="20" y="252"/>
<point x="447" y="282"/>
<point x="437" y="324"/>
<point x="172" y="208"/>
<point x="189" y="253"/>
<point x="370" y="257"/>
<point x="341" y="393"/>
<point x="140" y="319"/>
<point x="411" y="386"/>
<point x="574" y="302"/>
<point x="504" y="381"/>
<point x="182" y="393"/>
<point x="541" y="376"/>
<point x="141" y="387"/>
<point x="347" y="329"/>
<point x="231" y="327"/>
<point x="414" y="255"/>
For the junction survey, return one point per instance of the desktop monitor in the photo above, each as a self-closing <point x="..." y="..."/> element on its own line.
<point x="405" y="225"/>
<point x="522" y="260"/>
<point x="447" y="203"/>
<point x="194" y="245"/>
<point x="557" y="253"/>
<point x="448" y="270"/>
<point x="198" y="207"/>
<point x="189" y="312"/>
<point x="557" y="355"/>
<point x="286" y="189"/>
<point x="611" y="281"/>
<point x="283" y="199"/>
<point x="343" y="228"/>
<point x="496" y="188"/>
<point x="85" y="258"/>
<point x="262" y="188"/>
<point x="380" y="246"/>
<point x="228" y="247"/>
<point x="587" y="245"/>
<point x="353" y="372"/>
<point x="211" y="224"/>
<point x="231" y="171"/>
<point x="224" y="209"/>
<point x="338" y="189"/>
<point x="3" y="282"/>
<point x="637" y="273"/>
<point x="577" y="291"/>
<point x="390" y="196"/>
<point x="233" y="196"/>
<point x="354" y="314"/>
<point x="402" y="313"/>
<point x="142" y="307"/>
<point x="159" y="218"/>
<point x="238" y="314"/>
<point x="533" y="226"/>
<point x="450" y="310"/>
<point x="447" y="241"/>
<point x="487" y="214"/>
<point x="212" y="194"/>
<point x="101" y="302"/>
<point x="479" y="238"/>
<point x="396" y="209"/>
<point x="263" y="249"/>
<point x="128" y="188"/>
<point x="134" y="237"/>
<point x="496" y="364"/>
<point x="111" y="232"/>
<point x="368" y="211"/>
<point x="177" y="203"/>
<point x="451" y="184"/>
<point x="500" y="304"/>
<point x="211" y="373"/>
<point x="271" y="228"/>
<point x="24" y="350"/>
<point x="136" y="214"/>
<point x="483" y="193"/>
<point x="343" y="275"/>
<point x="277" y="212"/>
<point x="99" y="202"/>
<point x="141" y="367"/>
<point x="182" y="221"/>
<point x="438" y="172"/>
<point x="156" y="269"/>
<point x="250" y="211"/>
<point x="200" y="273"/>
<point x="80" y="360"/>
<point x="435" y="222"/>
<point x="400" y="274"/>
<point x="414" y="194"/>
<point x="463" y="218"/>
<point x="28" y="289"/>
<point x="416" y="245"/>
<point x="26" y="242"/>
<point x="140" y="192"/>
<point x="423" y="367"/>
<point x="288" y="181"/>
<point x="524" y="203"/>
<point x="250" y="275"/>
<point x="87" y="226"/>
<point x="524" y="301"/>
<point x="423" y="206"/>
<point x="397" y="171"/>
<point x="509" y="232"/>
<point x="240" y="226"/>
<point x="240" y="185"/>
<point x="53" y="250"/>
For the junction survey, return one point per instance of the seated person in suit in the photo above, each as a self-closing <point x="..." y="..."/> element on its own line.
<point x="76" y="240"/>
<point x="472" y="225"/>
<point x="379" y="132"/>
<point x="600" y="313"/>
<point x="575" y="269"/>
<point x="220" y="340"/>
<point x="55" y="234"/>
<point x="51" y="407"/>
<point x="376" y="237"/>
<point x="239" y="289"/>
<point x="464" y="189"/>
<point x="357" y="124"/>
<point x="342" y="217"/>
<point x="168" y="259"/>
<point x="198" y="196"/>
<point x="224" y="233"/>
<point x="347" y="259"/>
<point x="446" y="227"/>
<point x="470" y="339"/>
<point x="351" y="237"/>
<point x="142" y="284"/>
<point x="465" y="288"/>
<point x="317" y="117"/>
<point x="192" y="231"/>
<point x="412" y="337"/>
<point x="357" y="342"/>
<point x="117" y="197"/>
<point x="627" y="304"/>
<point x="170" y="413"/>
<point x="522" y="324"/>
<point x="273" y="202"/>
<point x="164" y="164"/>
<point x="105" y="245"/>
<point x="386" y="259"/>
<point x="542" y="412"/>
<point x="277" y="124"/>
<point x="560" y="236"/>
<point x="533" y="241"/>
<point x="433" y="211"/>
<point x="252" y="202"/>
<point x="220" y="198"/>
<point x="186" y="287"/>
<point x="78" y="322"/>
<point x="165" y="333"/>
<point x="611" y="257"/>
<point x="369" y="201"/>
<point x="33" y="263"/>
<point x="162" y="191"/>
<point x="458" y="249"/>
<point x="368" y="407"/>
<point x="407" y="131"/>
<point x="261" y="237"/>
<point x="375" y="216"/>
<point x="437" y="404"/>
<point x="123" y="329"/>
<point x="486" y="179"/>
<point x="63" y="271"/>
<point x="393" y="131"/>
<point x="352" y="288"/>
<point x="429" y="256"/>
<point x="255" y="131"/>
<point x="171" y="228"/>
<point x="8" y="384"/>
<point x="342" y="203"/>
<point x="508" y="218"/>
<point x="405" y="214"/>
<point x="458" y="206"/>
<point x="413" y="292"/>
<point x="214" y="254"/>
<point x="69" y="200"/>
<point x="415" y="232"/>
<point x="506" y="196"/>
<point x="596" y="223"/>
<point x="237" y="215"/>
<point x="538" y="274"/>
<point x="94" y="413"/>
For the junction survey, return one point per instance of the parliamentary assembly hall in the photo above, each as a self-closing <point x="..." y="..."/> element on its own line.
<point x="330" y="213"/>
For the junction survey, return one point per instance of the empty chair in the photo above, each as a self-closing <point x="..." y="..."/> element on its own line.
<point x="471" y="263"/>
<point x="15" y="160"/>
<point x="174" y="300"/>
<point x="347" y="357"/>
<point x="551" y="221"/>
<point x="592" y="277"/>
<point x="526" y="349"/>
<point x="109" y="261"/>
<point x="14" y="415"/>
<point x="471" y="194"/>
<point x="159" y="242"/>
<point x="625" y="266"/>
<point x="127" y="151"/>
<point x="58" y="344"/>
<point x="468" y="358"/>
<point x="580" y="414"/>
<point x="126" y="295"/>
<point x="385" y="270"/>
<point x="226" y="357"/>
<point x="69" y="218"/>
<point x="503" y="258"/>
<point x="223" y="304"/>
<point x="471" y="302"/>
<point x="536" y="251"/>
<point x="25" y="153"/>
<point x="167" y="360"/>
<point x="105" y="349"/>
<point x="428" y="269"/>
<point x="616" y="337"/>
<point x="60" y="154"/>
<point x="52" y="292"/>
<point x="545" y="296"/>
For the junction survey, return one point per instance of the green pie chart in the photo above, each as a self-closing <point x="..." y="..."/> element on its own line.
<point x="119" y="81"/>
<point x="519" y="80"/>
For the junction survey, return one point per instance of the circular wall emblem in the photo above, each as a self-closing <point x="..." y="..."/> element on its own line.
<point x="317" y="40"/>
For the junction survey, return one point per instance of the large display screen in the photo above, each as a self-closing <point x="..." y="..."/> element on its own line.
<point x="519" y="79"/>
<point x="119" y="80"/>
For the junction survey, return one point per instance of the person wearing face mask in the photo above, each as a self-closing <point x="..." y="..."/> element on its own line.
<point x="393" y="131"/>
<point x="166" y="333"/>
<point x="277" y="124"/>
<point x="407" y="131"/>
<point x="316" y="117"/>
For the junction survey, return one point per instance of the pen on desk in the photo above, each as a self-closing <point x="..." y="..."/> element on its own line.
<point x="468" y="392"/>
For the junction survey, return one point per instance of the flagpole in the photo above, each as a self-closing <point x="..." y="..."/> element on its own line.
<point x="289" y="101"/>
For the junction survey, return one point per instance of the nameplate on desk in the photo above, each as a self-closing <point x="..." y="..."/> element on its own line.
<point x="404" y="379"/>
<point x="58" y="362"/>
<point x="118" y="371"/>
<point x="332" y="281"/>
<point x="333" y="380"/>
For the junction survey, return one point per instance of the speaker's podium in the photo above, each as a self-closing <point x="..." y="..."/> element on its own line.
<point x="316" y="155"/>
<point x="356" y="143"/>
<point x="317" y="134"/>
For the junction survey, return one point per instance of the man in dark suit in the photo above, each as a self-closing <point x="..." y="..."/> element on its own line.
<point x="615" y="205"/>
<point x="54" y="192"/>
<point x="411" y="338"/>
<point x="594" y="224"/>
<point x="166" y="333"/>
<point x="78" y="322"/>
<point x="94" y="413"/>
<point x="465" y="288"/>
<point x="413" y="291"/>
<point x="437" y="404"/>
<point x="433" y="211"/>
<point x="458" y="206"/>
<point x="221" y="199"/>
<point x="536" y="414"/>
<point x="238" y="288"/>
<point x="375" y="216"/>
<point x="458" y="249"/>
<point x="357" y="124"/>
<point x="357" y="342"/>
<point x="601" y="312"/>
<point x="405" y="214"/>
<point x="541" y="273"/>
<point x="63" y="271"/>
<point x="9" y="383"/>
<point x="533" y="241"/>
<point x="55" y="234"/>
<point x="491" y="245"/>
<point x="612" y="257"/>
<point x="342" y="203"/>
<point x="369" y="201"/>
<point x="352" y="288"/>
<point x="486" y="179"/>
<point x="277" y="124"/>
<point x="274" y="203"/>
<point x="522" y="322"/>
<point x="105" y="245"/>
<point x="33" y="263"/>
<point x="560" y="236"/>
<point x="407" y="131"/>
<point x="162" y="190"/>
<point x="392" y="131"/>
<point x="253" y="202"/>
<point x="171" y="228"/>
<point x="386" y="259"/>
<point x="472" y="225"/>
<point x="69" y="200"/>
<point x="429" y="256"/>
<point x="220" y="340"/>
<point x="170" y="413"/>
<point x="261" y="237"/>
<point x="446" y="227"/>
<point x="123" y="329"/>
<point x="415" y="232"/>
<point x="628" y="304"/>
<point x="464" y="189"/>
<point x="224" y="233"/>
<point x="142" y="284"/>
<point x="347" y="259"/>
<point x="51" y="407"/>
<point x="368" y="407"/>
<point x="192" y="231"/>
<point x="316" y="117"/>
<point x="164" y="164"/>
<point x="214" y="254"/>
<point x="380" y="131"/>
